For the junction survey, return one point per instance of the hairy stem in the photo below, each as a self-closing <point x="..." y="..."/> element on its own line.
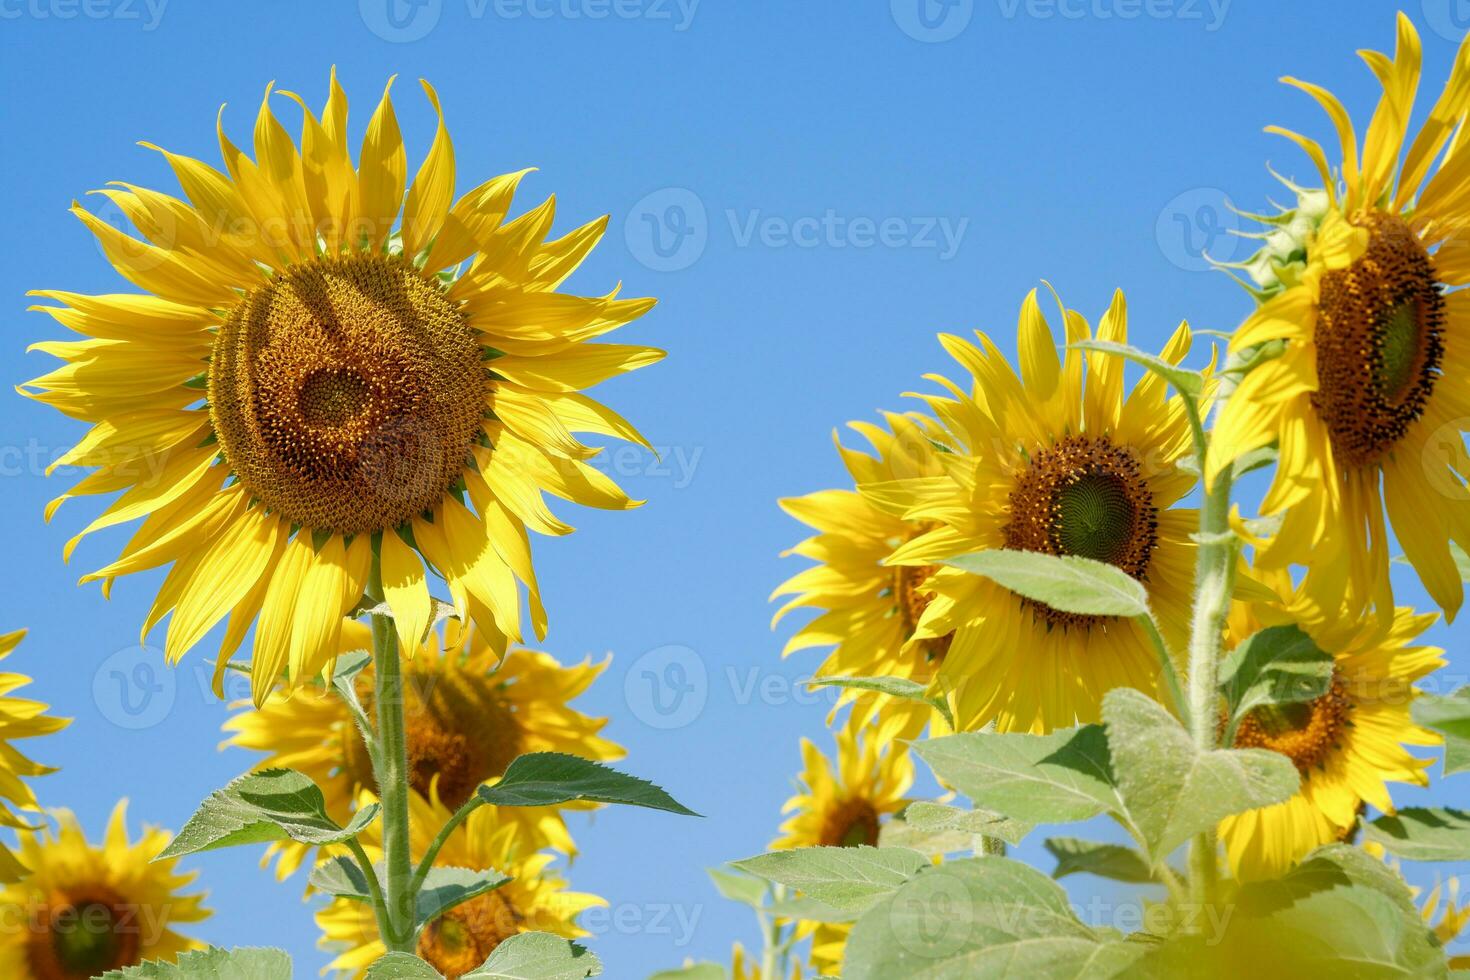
<point x="392" y="775"/>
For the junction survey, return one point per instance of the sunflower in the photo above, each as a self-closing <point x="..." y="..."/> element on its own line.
<point x="743" y="967"/>
<point x="535" y="900"/>
<point x="1443" y="904"/>
<point x="1055" y="461"/>
<point x="19" y="718"/>
<point x="302" y="388"/>
<point x="868" y="609"/>
<point x="843" y="805"/>
<point x="1347" y="744"/>
<point x="1363" y="369"/>
<point x="468" y="715"/>
<point x="85" y="909"/>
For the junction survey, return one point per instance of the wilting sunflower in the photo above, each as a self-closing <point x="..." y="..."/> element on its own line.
<point x="1368" y="395"/>
<point x="468" y="715"/>
<point x="19" y="718"/>
<point x="536" y="900"/>
<point x="84" y="909"/>
<point x="868" y="609"/>
<point x="1055" y="461"/>
<point x="843" y="805"/>
<point x="1347" y="744"/>
<point x="301" y="381"/>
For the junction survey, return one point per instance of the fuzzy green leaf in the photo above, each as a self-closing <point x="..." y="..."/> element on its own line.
<point x="537" y="956"/>
<point x="742" y="888"/>
<point x="401" y="966"/>
<point x="342" y="877"/>
<point x="922" y="821"/>
<point x="212" y="964"/>
<point x="1278" y="665"/>
<point x="895" y="687"/>
<point x="1423" y="834"/>
<point x="846" y="878"/>
<point x="269" y="805"/>
<point x="446" y="887"/>
<point x="552" y="778"/>
<point x="1448" y="714"/>
<point x="1056" y="778"/>
<point x="1170" y="789"/>
<point x="1065" y="583"/>
<point x="694" y="971"/>
<point x="1114" y="861"/>
<point x="1188" y="382"/>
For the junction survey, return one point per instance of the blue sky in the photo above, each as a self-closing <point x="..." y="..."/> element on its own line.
<point x="813" y="190"/>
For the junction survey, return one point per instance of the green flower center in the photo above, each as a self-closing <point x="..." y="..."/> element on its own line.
<point x="1094" y="517"/>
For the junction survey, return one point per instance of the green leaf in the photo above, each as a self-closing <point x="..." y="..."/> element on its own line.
<point x="894" y="687"/>
<point x="446" y="887"/>
<point x="537" y="956"/>
<point x="1450" y="716"/>
<point x="1066" y="583"/>
<point x="922" y="819"/>
<point x="551" y="778"/>
<point x="1252" y="460"/>
<point x="1056" y="778"/>
<point x="350" y="664"/>
<point x="1170" y="789"/>
<point x="808" y="910"/>
<point x="1188" y="382"/>
<point x="1114" y="861"/>
<point x="401" y="966"/>
<point x="694" y="971"/>
<point x="1423" y="834"/>
<point x="846" y="878"/>
<point x="212" y="964"/>
<point x="981" y="919"/>
<point x="1278" y="665"/>
<point x="269" y="805"/>
<point x="342" y="877"/>
<point x="742" y="888"/>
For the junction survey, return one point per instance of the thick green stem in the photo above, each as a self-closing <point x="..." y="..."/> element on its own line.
<point x="392" y="775"/>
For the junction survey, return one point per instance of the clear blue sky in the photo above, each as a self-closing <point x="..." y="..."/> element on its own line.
<point x="768" y="143"/>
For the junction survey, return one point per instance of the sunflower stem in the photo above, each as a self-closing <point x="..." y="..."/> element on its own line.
<point x="450" y="825"/>
<point x="1214" y="584"/>
<point x="392" y="774"/>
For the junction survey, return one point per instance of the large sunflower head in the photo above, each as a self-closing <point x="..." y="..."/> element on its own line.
<point x="1347" y="745"/>
<point x="19" y="718"/>
<point x="88" y="909"/>
<point x="1060" y="461"/>
<point x="868" y="610"/>
<point x="1362" y="370"/>
<point x="330" y="365"/>
<point x="535" y="900"/>
<point x="468" y="715"/>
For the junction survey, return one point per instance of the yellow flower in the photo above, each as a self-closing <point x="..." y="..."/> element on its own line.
<point x="743" y="967"/>
<point x="1369" y="395"/>
<point x="468" y="716"/>
<point x="1453" y="917"/>
<point x="19" y="718"/>
<point x="299" y="380"/>
<point x="1055" y="461"/>
<point x="844" y="806"/>
<point x="1347" y="744"/>
<point x="86" y="909"/>
<point x="536" y="900"/>
<point x="868" y="609"/>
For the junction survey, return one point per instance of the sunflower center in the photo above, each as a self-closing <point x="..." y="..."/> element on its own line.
<point x="82" y="937"/>
<point x="851" y="823"/>
<point x="911" y="605"/>
<point x="346" y="393"/>
<point x="1306" y="732"/>
<point x="462" y="938"/>
<point x="1380" y="342"/>
<point x="1084" y="496"/>
<point x="458" y="728"/>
